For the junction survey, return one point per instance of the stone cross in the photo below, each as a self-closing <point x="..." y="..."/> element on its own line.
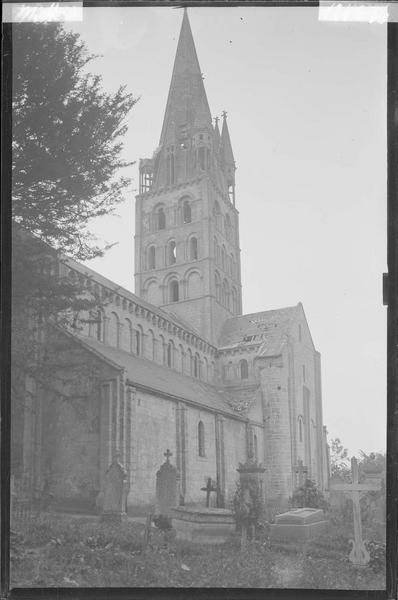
<point x="167" y="454"/>
<point x="210" y="487"/>
<point x="301" y="471"/>
<point x="359" y="555"/>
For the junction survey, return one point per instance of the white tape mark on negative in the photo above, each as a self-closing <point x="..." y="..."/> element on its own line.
<point x="33" y="12"/>
<point x="358" y="12"/>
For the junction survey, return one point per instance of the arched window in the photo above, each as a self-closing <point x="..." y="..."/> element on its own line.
<point x="171" y="253"/>
<point x="300" y="428"/>
<point x="173" y="291"/>
<point x="161" y="218"/>
<point x="138" y="341"/>
<point x="196" y="366"/>
<point x="244" y="369"/>
<point x="234" y="301"/>
<point x="161" y="349"/>
<point x="215" y="251"/>
<point x="205" y="369"/>
<point x="151" y="257"/>
<point x="189" y="358"/>
<point x="223" y="258"/>
<point x="186" y="212"/>
<point x="218" y="287"/>
<point x="151" y="344"/>
<point x="181" y="358"/>
<point x="255" y="444"/>
<point x="99" y="325"/>
<point x="127" y="336"/>
<point x="227" y="227"/>
<point x="226" y="294"/>
<point x="193" y="248"/>
<point x="114" y="330"/>
<point x="201" y="439"/>
<point x="170" y="354"/>
<point x="170" y="165"/>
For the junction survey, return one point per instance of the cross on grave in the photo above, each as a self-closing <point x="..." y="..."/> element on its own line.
<point x="301" y="471"/>
<point x="359" y="555"/>
<point x="167" y="454"/>
<point x="210" y="487"/>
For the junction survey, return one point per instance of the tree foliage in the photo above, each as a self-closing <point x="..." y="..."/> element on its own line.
<point x="339" y="460"/>
<point x="67" y="139"/>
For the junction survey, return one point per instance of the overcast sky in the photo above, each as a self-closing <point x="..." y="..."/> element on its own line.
<point x="306" y="104"/>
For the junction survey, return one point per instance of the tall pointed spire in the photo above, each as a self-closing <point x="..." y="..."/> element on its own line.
<point x="227" y="155"/>
<point x="187" y="104"/>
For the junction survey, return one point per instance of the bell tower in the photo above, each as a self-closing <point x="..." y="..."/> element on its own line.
<point x="187" y="256"/>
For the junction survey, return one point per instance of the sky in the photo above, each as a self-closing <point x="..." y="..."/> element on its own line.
<point x="306" y="104"/>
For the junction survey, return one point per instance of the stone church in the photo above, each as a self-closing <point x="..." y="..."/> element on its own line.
<point x="177" y="365"/>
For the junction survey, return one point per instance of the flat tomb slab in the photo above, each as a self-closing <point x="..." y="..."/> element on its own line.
<point x="301" y="516"/>
<point x="288" y="532"/>
<point x="203" y="525"/>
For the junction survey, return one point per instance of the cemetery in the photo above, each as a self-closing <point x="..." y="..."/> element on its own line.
<point x="245" y="544"/>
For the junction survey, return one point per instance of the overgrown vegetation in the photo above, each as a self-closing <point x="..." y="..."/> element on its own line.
<point x="64" y="551"/>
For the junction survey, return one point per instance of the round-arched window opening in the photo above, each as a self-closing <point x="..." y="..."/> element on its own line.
<point x="152" y="257"/>
<point x="193" y="248"/>
<point x="171" y="253"/>
<point x="161" y="219"/>
<point x="186" y="212"/>
<point x="173" y="289"/>
<point x="244" y="369"/>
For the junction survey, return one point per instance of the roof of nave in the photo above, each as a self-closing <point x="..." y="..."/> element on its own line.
<point x="125" y="293"/>
<point x="155" y="377"/>
<point x="268" y="328"/>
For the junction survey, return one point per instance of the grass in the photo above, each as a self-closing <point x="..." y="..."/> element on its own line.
<point x="77" y="552"/>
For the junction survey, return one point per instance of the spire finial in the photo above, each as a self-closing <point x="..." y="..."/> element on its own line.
<point x="216" y="119"/>
<point x="224" y="114"/>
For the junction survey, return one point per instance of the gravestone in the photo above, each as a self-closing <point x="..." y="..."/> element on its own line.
<point x="301" y="472"/>
<point x="298" y="525"/>
<point x="210" y="487"/>
<point x="115" y="492"/>
<point x="167" y="486"/>
<point x="359" y="555"/>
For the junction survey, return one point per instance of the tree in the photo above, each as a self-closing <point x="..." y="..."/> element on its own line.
<point x="66" y="159"/>
<point x="67" y="132"/>
<point x="339" y="461"/>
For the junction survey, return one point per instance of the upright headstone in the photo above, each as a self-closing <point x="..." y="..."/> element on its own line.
<point x="167" y="486"/>
<point x="114" y="502"/>
<point x="301" y="472"/>
<point x="359" y="555"/>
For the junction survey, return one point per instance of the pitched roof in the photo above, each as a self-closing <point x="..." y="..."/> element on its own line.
<point x="187" y="102"/>
<point x="269" y="328"/>
<point x="160" y="379"/>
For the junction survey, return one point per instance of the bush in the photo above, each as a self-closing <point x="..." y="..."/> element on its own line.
<point x="248" y="505"/>
<point x="309" y="496"/>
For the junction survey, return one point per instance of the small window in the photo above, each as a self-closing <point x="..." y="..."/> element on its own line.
<point x="193" y="248"/>
<point x="300" y="426"/>
<point x="196" y="367"/>
<point x="186" y="212"/>
<point x="137" y="345"/>
<point x="170" y="354"/>
<point x="174" y="295"/>
<point x="244" y="369"/>
<point x="152" y="257"/>
<point x="171" y="253"/>
<point x="100" y="326"/>
<point x="299" y="333"/>
<point x="161" y="219"/>
<point x="255" y="443"/>
<point x="201" y="439"/>
<point x="303" y="372"/>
